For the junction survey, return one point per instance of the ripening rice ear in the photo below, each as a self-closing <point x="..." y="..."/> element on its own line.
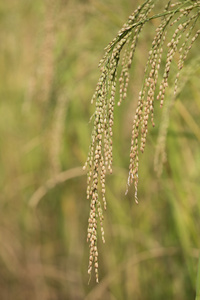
<point x="179" y="18"/>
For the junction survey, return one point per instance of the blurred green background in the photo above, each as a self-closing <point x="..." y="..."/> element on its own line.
<point x="49" y="53"/>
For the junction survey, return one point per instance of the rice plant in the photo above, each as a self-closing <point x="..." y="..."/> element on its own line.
<point x="175" y="34"/>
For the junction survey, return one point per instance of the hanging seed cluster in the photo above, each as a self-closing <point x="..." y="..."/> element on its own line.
<point x="184" y="24"/>
<point x="183" y="17"/>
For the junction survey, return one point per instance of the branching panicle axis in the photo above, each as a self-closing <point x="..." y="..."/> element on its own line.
<point x="174" y="36"/>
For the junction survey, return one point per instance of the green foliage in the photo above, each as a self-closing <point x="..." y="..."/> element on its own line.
<point x="198" y="282"/>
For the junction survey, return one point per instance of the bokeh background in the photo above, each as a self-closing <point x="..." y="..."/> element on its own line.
<point x="49" y="53"/>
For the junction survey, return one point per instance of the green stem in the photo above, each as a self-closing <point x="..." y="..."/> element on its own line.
<point x="198" y="282"/>
<point x="172" y="12"/>
<point x="161" y="15"/>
